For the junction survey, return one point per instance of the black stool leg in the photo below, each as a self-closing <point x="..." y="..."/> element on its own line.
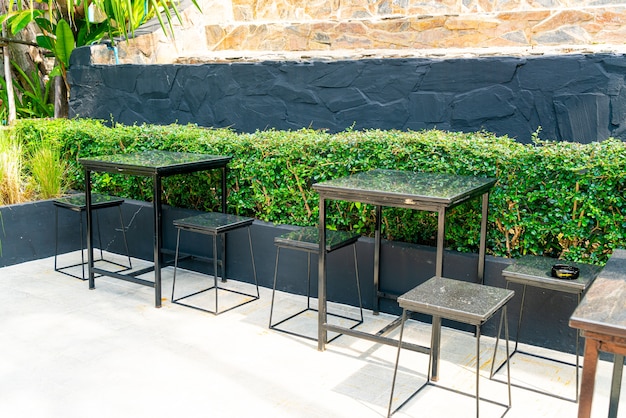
<point x="508" y="362"/>
<point x="358" y="283"/>
<point x="175" y="264"/>
<point x="130" y="264"/>
<point x="82" y="243"/>
<point x="495" y="351"/>
<point x="274" y="287"/>
<point x="215" y="271"/>
<point x="256" y="283"/>
<point x="56" y="236"/>
<point x="99" y="235"/>
<point x="395" y="369"/>
<point x="308" y="280"/>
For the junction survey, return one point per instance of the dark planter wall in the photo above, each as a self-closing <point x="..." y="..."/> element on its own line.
<point x="29" y="234"/>
<point x="571" y="97"/>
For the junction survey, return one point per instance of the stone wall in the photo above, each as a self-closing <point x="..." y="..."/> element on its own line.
<point x="573" y="97"/>
<point x="234" y="28"/>
<point x="507" y="66"/>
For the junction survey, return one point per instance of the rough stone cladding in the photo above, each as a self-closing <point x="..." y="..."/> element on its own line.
<point x="235" y="29"/>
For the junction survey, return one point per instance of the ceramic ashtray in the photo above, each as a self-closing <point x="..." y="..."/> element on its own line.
<point x="563" y="271"/>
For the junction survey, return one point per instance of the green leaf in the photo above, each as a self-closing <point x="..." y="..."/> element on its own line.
<point x="65" y="43"/>
<point x="20" y="20"/>
<point x="56" y="72"/>
<point x="45" y="42"/>
<point x="44" y="23"/>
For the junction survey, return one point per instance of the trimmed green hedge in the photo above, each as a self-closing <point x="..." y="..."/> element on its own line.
<point x="557" y="199"/>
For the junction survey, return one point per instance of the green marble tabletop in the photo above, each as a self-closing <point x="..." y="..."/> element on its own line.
<point x="153" y="161"/>
<point x="412" y="186"/>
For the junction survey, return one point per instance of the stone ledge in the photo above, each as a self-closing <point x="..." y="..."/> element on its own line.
<point x="103" y="56"/>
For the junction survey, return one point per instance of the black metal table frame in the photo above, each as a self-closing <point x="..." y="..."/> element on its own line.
<point x="380" y="199"/>
<point x="157" y="173"/>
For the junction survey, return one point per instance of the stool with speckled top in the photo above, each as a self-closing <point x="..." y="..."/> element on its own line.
<point x="456" y="300"/>
<point x="307" y="239"/>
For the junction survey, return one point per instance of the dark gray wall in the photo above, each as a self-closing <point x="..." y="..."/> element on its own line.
<point x="28" y="234"/>
<point x="571" y="97"/>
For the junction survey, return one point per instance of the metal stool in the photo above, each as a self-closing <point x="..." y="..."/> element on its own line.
<point x="76" y="203"/>
<point x="468" y="303"/>
<point x="214" y="224"/>
<point x="534" y="271"/>
<point x="307" y="239"/>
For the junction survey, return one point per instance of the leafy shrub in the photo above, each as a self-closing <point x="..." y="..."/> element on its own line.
<point x="557" y="199"/>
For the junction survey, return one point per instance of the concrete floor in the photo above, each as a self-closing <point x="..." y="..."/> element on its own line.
<point x="67" y="351"/>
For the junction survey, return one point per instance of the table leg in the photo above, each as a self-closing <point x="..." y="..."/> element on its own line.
<point x="223" y="249"/>
<point x="483" y="238"/>
<point x="435" y="348"/>
<point x="92" y="283"/>
<point x="477" y="371"/>
<point x="215" y="238"/>
<point x="158" y="238"/>
<point x="578" y="357"/>
<point x="436" y="325"/>
<point x="441" y="234"/>
<point x="377" y="240"/>
<point x="590" y="364"/>
<point x="224" y="190"/>
<point x="616" y="384"/>
<point x="321" y="291"/>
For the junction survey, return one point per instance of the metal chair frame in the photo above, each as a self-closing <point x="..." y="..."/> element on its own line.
<point x="283" y="242"/>
<point x="221" y="224"/>
<point x="76" y="203"/>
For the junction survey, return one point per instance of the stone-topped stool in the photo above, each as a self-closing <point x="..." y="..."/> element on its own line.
<point x="215" y="224"/>
<point x="535" y="271"/>
<point x="307" y="239"/>
<point x="76" y="203"/>
<point x="468" y="303"/>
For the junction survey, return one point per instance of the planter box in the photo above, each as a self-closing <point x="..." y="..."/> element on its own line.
<point x="28" y="234"/>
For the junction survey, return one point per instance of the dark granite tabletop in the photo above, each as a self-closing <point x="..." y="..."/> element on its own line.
<point x="536" y="271"/>
<point x="308" y="238"/>
<point x="213" y="222"/>
<point x="470" y="303"/>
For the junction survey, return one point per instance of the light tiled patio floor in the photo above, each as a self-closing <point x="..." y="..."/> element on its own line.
<point x="67" y="351"/>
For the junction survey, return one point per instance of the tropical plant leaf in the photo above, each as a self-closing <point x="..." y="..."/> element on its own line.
<point x="95" y="32"/>
<point x="44" y="24"/>
<point x="45" y="42"/>
<point x="65" y="43"/>
<point x="20" y="20"/>
<point x="56" y="72"/>
<point x="158" y="15"/>
<point x="38" y="104"/>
